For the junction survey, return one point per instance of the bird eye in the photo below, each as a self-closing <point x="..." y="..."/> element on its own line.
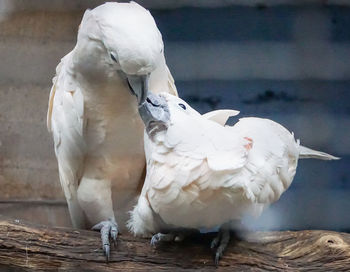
<point x="113" y="57"/>
<point x="182" y="106"/>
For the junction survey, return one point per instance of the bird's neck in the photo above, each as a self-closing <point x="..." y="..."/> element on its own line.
<point x="107" y="96"/>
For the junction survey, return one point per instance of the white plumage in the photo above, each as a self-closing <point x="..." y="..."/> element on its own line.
<point x="93" y="117"/>
<point x="202" y="174"/>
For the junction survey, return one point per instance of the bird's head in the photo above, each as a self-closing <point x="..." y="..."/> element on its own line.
<point x="160" y="111"/>
<point x="119" y="40"/>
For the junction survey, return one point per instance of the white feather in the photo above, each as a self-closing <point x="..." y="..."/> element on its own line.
<point x="220" y="116"/>
<point x="92" y="115"/>
<point x="201" y="174"/>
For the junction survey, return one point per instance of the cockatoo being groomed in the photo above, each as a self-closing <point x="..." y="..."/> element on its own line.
<point x="93" y="113"/>
<point x="202" y="174"/>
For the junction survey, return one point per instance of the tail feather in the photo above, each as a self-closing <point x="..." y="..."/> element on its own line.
<point x="308" y="153"/>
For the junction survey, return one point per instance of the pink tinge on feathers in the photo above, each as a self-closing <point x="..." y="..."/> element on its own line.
<point x="249" y="145"/>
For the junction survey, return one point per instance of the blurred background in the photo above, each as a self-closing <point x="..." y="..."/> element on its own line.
<point x="284" y="60"/>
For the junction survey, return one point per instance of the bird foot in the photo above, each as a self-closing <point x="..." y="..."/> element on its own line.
<point x="162" y="237"/>
<point x="108" y="228"/>
<point x="220" y="242"/>
<point x="177" y="236"/>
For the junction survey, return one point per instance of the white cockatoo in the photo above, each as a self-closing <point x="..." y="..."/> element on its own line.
<point x="203" y="174"/>
<point x="93" y="116"/>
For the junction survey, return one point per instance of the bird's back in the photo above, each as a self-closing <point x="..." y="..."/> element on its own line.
<point x="191" y="192"/>
<point x="272" y="160"/>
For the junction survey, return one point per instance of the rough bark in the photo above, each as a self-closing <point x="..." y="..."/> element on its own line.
<point x="28" y="247"/>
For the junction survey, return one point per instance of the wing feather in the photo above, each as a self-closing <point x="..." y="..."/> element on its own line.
<point x="171" y="83"/>
<point x="272" y="160"/>
<point x="65" y="120"/>
<point x="52" y="96"/>
<point x="220" y="116"/>
<point x="238" y="169"/>
<point x="186" y="171"/>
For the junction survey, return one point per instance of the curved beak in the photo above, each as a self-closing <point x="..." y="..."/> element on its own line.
<point x="138" y="86"/>
<point x="154" y="111"/>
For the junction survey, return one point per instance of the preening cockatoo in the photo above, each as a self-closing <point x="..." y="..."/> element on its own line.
<point x="93" y="116"/>
<point x="202" y="174"/>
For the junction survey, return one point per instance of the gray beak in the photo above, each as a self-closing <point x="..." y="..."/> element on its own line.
<point x="154" y="111"/>
<point x="139" y="86"/>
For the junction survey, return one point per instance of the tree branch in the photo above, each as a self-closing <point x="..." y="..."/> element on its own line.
<point x="28" y="247"/>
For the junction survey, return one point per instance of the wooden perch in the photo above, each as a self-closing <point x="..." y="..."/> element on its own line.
<point x="28" y="247"/>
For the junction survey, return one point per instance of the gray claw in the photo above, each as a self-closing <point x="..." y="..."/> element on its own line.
<point x="220" y="241"/>
<point x="161" y="237"/>
<point x="108" y="228"/>
<point x="114" y="234"/>
<point x="155" y="239"/>
<point x="215" y="241"/>
<point x="218" y="256"/>
<point x="107" y="251"/>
